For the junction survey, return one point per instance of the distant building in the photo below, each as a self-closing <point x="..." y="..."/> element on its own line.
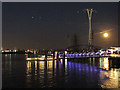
<point x="7" y="50"/>
<point x="115" y="50"/>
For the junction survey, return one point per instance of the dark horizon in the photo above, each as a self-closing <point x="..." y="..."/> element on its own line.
<point x="50" y="25"/>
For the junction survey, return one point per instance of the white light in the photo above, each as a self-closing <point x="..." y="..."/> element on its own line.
<point x="65" y="52"/>
<point x="28" y="59"/>
<point x="15" y="50"/>
<point x="6" y="50"/>
<point x="116" y="48"/>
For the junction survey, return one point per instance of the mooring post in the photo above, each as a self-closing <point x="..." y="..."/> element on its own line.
<point x="64" y="55"/>
<point x="53" y="61"/>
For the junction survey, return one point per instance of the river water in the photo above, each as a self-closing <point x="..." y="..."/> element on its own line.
<point x="73" y="73"/>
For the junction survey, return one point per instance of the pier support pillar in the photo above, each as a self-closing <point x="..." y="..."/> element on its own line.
<point x="46" y="52"/>
<point x="57" y="55"/>
<point x="53" y="55"/>
<point x="64" y="58"/>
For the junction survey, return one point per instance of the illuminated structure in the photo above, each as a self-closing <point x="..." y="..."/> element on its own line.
<point x="89" y="12"/>
<point x="117" y="49"/>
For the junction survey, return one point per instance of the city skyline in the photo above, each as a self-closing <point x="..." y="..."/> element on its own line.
<point x="52" y="25"/>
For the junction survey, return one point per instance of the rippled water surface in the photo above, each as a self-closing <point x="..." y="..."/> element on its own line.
<point x="71" y="73"/>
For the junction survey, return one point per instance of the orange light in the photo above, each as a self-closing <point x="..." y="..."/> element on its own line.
<point x="105" y="34"/>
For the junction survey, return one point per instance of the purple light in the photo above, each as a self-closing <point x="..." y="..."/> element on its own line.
<point x="93" y="53"/>
<point x="84" y="54"/>
<point x="88" y="53"/>
<point x="80" y="54"/>
<point x="97" y="53"/>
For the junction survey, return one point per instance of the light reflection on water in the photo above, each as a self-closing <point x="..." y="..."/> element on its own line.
<point x="81" y="73"/>
<point x="109" y="78"/>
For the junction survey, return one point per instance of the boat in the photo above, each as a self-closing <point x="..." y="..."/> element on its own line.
<point x="40" y="57"/>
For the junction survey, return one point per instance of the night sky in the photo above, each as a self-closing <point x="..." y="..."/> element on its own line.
<point x="43" y="25"/>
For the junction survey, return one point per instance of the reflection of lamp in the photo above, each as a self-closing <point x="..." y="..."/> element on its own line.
<point x="29" y="64"/>
<point x="35" y="67"/>
<point x="105" y="63"/>
<point x="49" y="64"/>
<point x="28" y="69"/>
<point x="41" y="64"/>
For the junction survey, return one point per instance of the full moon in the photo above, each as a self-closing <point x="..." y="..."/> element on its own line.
<point x="105" y="34"/>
